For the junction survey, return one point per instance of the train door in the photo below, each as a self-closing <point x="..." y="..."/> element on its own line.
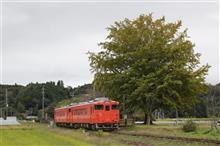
<point x="69" y="115"/>
<point x="107" y="113"/>
<point x="91" y="114"/>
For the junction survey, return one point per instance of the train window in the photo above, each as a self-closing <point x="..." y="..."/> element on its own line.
<point x="107" y="108"/>
<point x="115" y="107"/>
<point x="98" y="107"/>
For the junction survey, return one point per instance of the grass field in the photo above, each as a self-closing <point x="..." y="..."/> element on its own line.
<point x="171" y="130"/>
<point x="35" y="136"/>
<point x="41" y="135"/>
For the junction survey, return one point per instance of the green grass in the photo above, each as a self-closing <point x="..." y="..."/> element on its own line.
<point x="161" y="142"/>
<point x="41" y="135"/>
<point x="172" y="130"/>
<point x="183" y="119"/>
<point x="36" y="136"/>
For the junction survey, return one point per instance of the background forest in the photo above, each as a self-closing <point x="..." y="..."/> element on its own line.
<point x="27" y="100"/>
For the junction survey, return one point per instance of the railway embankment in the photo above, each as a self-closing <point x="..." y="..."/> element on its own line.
<point x="203" y="134"/>
<point x="188" y="139"/>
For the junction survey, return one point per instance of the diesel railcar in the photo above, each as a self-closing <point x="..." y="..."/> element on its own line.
<point x="100" y="113"/>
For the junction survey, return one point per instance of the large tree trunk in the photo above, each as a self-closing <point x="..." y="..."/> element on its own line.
<point x="147" y="119"/>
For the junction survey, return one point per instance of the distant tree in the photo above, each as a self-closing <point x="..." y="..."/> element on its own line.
<point x="31" y="96"/>
<point x="213" y="101"/>
<point x="151" y="63"/>
<point x="199" y="110"/>
<point x="213" y="105"/>
<point x="23" y="100"/>
<point x="84" y="89"/>
<point x="12" y="93"/>
<point x="20" y="107"/>
<point x="60" y="83"/>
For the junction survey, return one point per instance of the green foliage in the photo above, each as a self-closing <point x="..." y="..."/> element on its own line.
<point x="213" y="101"/>
<point x="100" y="133"/>
<point x="66" y="102"/>
<point x="31" y="96"/>
<point x="189" y="126"/>
<point x="151" y="63"/>
<point x="199" y="110"/>
<point x="12" y="91"/>
<point x="20" y="107"/>
<point x="60" y="83"/>
<point x="35" y="136"/>
<point x="27" y="100"/>
<point x="85" y="89"/>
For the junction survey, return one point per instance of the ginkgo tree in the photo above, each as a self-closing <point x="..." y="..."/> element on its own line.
<point x="151" y="62"/>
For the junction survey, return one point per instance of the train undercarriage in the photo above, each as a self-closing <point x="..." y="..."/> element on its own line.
<point x="94" y="126"/>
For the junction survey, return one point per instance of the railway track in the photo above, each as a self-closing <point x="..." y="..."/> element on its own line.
<point x="202" y="140"/>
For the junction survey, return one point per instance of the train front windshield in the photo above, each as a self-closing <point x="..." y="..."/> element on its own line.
<point x="98" y="107"/>
<point x="115" y="107"/>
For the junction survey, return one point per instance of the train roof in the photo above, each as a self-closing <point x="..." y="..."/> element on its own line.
<point x="96" y="100"/>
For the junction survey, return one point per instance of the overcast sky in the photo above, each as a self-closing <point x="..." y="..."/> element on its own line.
<point x="48" y="41"/>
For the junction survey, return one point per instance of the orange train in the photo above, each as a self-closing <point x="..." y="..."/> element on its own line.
<point x="100" y="113"/>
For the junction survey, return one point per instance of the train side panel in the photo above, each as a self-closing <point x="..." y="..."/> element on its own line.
<point x="81" y="114"/>
<point x="98" y="114"/>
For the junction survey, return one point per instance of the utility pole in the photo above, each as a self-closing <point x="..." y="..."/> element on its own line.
<point x="6" y="103"/>
<point x="93" y="90"/>
<point x="125" y="112"/>
<point x="43" y="92"/>
<point x="1" y="113"/>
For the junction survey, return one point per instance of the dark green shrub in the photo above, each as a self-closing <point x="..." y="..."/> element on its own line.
<point x="100" y="133"/>
<point x="189" y="126"/>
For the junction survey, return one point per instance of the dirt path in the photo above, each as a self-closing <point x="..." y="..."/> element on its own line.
<point x="134" y="143"/>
